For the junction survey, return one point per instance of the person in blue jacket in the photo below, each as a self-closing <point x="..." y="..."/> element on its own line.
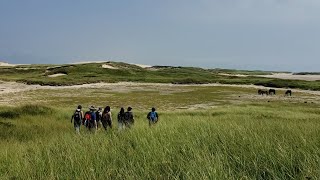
<point x="93" y="118"/>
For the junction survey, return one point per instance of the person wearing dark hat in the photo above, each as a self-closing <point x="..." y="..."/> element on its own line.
<point x="93" y="118"/>
<point x="128" y="117"/>
<point x="77" y="117"/>
<point x="121" y="123"/>
<point x="153" y="116"/>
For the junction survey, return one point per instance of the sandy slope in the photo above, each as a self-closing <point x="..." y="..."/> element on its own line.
<point x="107" y="66"/>
<point x="56" y="75"/>
<point x="292" y="76"/>
<point x="6" y="64"/>
<point x="281" y="76"/>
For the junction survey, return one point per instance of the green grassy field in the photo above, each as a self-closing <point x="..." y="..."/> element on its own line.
<point x="204" y="133"/>
<point x="93" y="73"/>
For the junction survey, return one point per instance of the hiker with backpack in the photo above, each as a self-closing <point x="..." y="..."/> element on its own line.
<point x="86" y="119"/>
<point x="99" y="117"/>
<point x="121" y="124"/>
<point x="106" y="118"/>
<point x="128" y="118"/>
<point x="153" y="116"/>
<point x="77" y="117"/>
<point x="91" y="118"/>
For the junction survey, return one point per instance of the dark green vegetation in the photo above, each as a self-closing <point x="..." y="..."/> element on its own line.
<point x="254" y="141"/>
<point x="307" y="73"/>
<point x="94" y="73"/>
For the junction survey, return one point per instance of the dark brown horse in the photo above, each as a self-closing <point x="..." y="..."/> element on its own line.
<point x="262" y="92"/>
<point x="288" y="93"/>
<point x="272" y="91"/>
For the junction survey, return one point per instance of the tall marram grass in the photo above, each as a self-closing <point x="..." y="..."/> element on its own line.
<point x="231" y="142"/>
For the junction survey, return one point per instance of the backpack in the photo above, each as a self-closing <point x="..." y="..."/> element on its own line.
<point x="106" y="116"/>
<point x="127" y="116"/>
<point x="121" y="117"/>
<point x="77" y="116"/>
<point x="99" y="115"/>
<point x="87" y="116"/>
<point x="153" y="116"/>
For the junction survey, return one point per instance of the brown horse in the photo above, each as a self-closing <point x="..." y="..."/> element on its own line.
<point x="262" y="92"/>
<point x="272" y="91"/>
<point x="288" y="93"/>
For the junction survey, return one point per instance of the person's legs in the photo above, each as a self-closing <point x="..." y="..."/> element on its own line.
<point x="128" y="124"/>
<point x="109" y="123"/>
<point x="120" y="125"/>
<point x="100" y="124"/>
<point x="77" y="127"/>
<point x="104" y="124"/>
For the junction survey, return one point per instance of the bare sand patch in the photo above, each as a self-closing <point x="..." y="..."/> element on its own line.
<point x="143" y="66"/>
<point x="26" y="68"/>
<point x="107" y="66"/>
<point x="53" y="67"/>
<point x="237" y="75"/>
<point x="7" y="64"/>
<point x="56" y="75"/>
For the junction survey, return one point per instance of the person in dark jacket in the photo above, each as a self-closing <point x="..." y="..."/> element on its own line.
<point x="106" y="118"/>
<point x="99" y="117"/>
<point x="92" y="120"/>
<point x="77" y="118"/>
<point x="121" y="124"/>
<point x="128" y="118"/>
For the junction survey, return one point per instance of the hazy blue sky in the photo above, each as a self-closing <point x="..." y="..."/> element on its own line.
<point x="243" y="34"/>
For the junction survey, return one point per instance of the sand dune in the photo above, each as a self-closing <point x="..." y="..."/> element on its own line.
<point x="107" y="66"/>
<point x="280" y="76"/>
<point x="7" y="64"/>
<point x="56" y="75"/>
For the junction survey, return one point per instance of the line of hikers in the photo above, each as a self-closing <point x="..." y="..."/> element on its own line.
<point x="94" y="119"/>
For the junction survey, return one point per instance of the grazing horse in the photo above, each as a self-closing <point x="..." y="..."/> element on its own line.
<point x="262" y="92"/>
<point x="288" y="93"/>
<point x="272" y="91"/>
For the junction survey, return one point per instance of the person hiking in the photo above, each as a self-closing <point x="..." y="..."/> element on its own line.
<point x="153" y="116"/>
<point x="92" y="121"/>
<point x="106" y="118"/>
<point x="121" y="124"/>
<point x="128" y="117"/>
<point x="77" y="117"/>
<point x="99" y="116"/>
<point x="86" y="119"/>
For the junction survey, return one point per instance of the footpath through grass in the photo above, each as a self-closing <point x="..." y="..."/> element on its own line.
<point x="257" y="141"/>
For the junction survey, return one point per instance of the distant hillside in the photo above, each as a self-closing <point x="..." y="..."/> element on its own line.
<point x="72" y="74"/>
<point x="307" y="73"/>
<point x="5" y="64"/>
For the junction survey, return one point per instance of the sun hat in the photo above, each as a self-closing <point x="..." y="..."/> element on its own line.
<point x="92" y="108"/>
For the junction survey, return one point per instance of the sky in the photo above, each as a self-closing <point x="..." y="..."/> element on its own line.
<point x="242" y="34"/>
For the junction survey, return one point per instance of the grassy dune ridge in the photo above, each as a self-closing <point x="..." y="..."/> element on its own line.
<point x="264" y="141"/>
<point x="94" y="73"/>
